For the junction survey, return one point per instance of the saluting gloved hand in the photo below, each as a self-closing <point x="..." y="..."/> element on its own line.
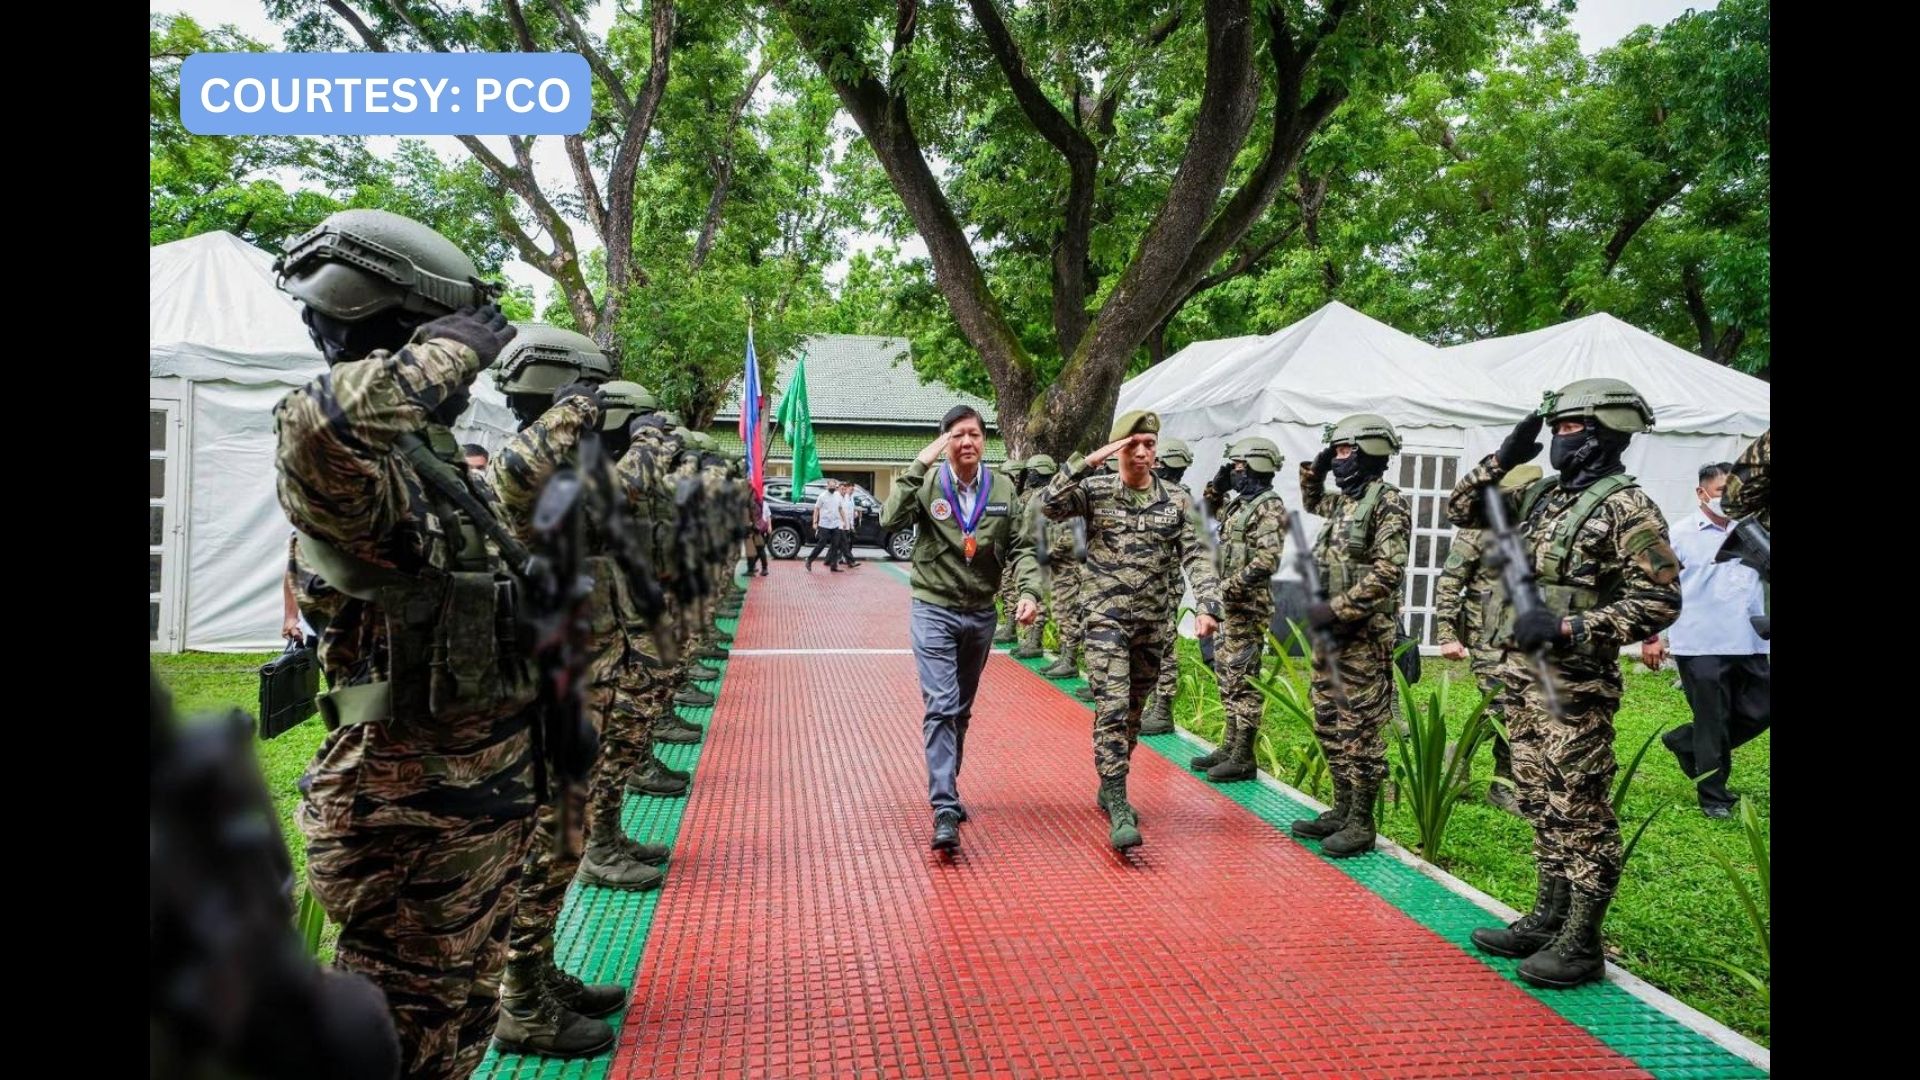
<point x="483" y="329"/>
<point x="1535" y="629"/>
<point x="590" y="391"/>
<point x="1323" y="462"/>
<point x="1522" y="444"/>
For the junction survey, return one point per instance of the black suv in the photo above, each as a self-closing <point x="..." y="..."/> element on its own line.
<point x="793" y="521"/>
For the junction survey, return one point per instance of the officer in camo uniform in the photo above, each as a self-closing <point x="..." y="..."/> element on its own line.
<point x="417" y="807"/>
<point x="1362" y="554"/>
<point x="1608" y="577"/>
<point x="550" y="377"/>
<point x="1174" y="458"/>
<point x="1253" y="534"/>
<point x="1464" y="593"/>
<point x="1139" y="529"/>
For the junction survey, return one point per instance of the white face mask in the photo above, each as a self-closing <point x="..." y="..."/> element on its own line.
<point x="1713" y="504"/>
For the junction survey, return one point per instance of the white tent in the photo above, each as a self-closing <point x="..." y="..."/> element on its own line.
<point x="1703" y="412"/>
<point x="1289" y="385"/>
<point x="225" y="345"/>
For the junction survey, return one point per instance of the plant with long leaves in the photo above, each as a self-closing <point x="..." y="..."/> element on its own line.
<point x="1756" y="903"/>
<point x="1430" y="775"/>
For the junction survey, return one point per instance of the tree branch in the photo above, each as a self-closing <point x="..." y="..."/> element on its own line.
<point x="626" y="160"/>
<point x="608" y="77"/>
<point x="352" y="18"/>
<point x="1140" y="299"/>
<point x="1629" y="227"/>
<point x="589" y="187"/>
<point x="1293" y="124"/>
<point x="432" y="41"/>
<point x="1072" y="243"/>
<point x="723" y="171"/>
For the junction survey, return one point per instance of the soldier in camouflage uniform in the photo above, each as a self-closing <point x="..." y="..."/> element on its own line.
<point x="1362" y="554"/>
<point x="1138" y="529"/>
<point x="550" y="377"/>
<point x="419" y="803"/>
<point x="1608" y="578"/>
<point x="1174" y="458"/>
<point x="1064" y="598"/>
<point x="1463" y="595"/>
<point x="1040" y="470"/>
<point x="1749" y="490"/>
<point x="641" y="707"/>
<point x="1253" y="534"/>
<point x="1014" y="469"/>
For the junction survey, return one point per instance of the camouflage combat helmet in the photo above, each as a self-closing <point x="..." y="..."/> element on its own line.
<point x="358" y="263"/>
<point x="1261" y="455"/>
<point x="1612" y="403"/>
<point x="542" y="358"/>
<point x="1371" y="433"/>
<point x="624" y="400"/>
<point x="1174" y="453"/>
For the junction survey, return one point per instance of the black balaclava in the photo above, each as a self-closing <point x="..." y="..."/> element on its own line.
<point x="1169" y="473"/>
<point x="1249" y="483"/>
<point x="1588" y="454"/>
<point x="341" y="341"/>
<point x="529" y="407"/>
<point x="1358" y="469"/>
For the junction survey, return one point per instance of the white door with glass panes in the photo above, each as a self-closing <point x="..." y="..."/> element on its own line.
<point x="164" y="511"/>
<point x="1426" y="475"/>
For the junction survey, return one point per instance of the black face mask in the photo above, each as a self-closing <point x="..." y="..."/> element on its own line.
<point x="1355" y="471"/>
<point x="341" y="341"/>
<point x="527" y="408"/>
<point x="1249" y="483"/>
<point x="1587" y="455"/>
<point x="1169" y="473"/>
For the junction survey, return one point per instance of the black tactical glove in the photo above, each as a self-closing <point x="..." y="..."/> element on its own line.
<point x="1535" y="629"/>
<point x="1323" y="463"/>
<point x="1522" y="444"/>
<point x="484" y="330"/>
<point x="590" y="391"/>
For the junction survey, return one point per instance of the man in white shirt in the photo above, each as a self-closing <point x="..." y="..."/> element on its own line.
<point x="829" y="517"/>
<point x="1724" y="666"/>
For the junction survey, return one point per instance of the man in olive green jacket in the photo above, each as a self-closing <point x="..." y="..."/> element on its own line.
<point x="966" y="532"/>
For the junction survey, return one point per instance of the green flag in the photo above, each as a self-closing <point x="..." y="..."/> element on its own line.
<point x="796" y="426"/>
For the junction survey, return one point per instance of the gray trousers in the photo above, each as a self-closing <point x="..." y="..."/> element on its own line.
<point x="950" y="648"/>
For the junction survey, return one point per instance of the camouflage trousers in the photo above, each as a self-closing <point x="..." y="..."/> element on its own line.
<point x="1068" y="611"/>
<point x="424" y="914"/>
<point x="552" y="859"/>
<point x="1032" y="635"/>
<point x="1123" y="663"/>
<point x="1009" y="599"/>
<point x="1236" y="658"/>
<point x="1487" y="678"/>
<point x="1563" y="770"/>
<point x="1352" y="734"/>
<point x="1169" y="685"/>
<point x="643" y="692"/>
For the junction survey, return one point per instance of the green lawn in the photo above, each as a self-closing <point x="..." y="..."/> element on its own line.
<point x="1675" y="909"/>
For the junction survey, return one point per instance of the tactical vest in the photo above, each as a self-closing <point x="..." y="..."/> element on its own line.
<point x="1236" y="551"/>
<point x="453" y="634"/>
<point x="1562" y="596"/>
<point x="1343" y="558"/>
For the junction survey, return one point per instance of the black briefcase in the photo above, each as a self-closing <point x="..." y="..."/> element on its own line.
<point x="288" y="685"/>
